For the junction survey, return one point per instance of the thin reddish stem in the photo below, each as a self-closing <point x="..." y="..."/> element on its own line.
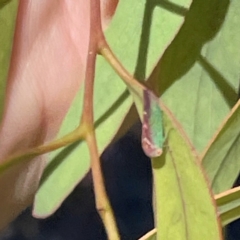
<point x="102" y="202"/>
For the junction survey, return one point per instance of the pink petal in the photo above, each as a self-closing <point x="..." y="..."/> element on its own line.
<point x="47" y="69"/>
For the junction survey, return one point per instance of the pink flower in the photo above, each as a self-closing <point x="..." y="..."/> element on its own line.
<point x="46" y="71"/>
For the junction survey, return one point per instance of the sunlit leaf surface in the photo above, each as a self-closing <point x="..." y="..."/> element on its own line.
<point x="229" y="205"/>
<point x="183" y="199"/>
<point x="199" y="72"/>
<point x="221" y="161"/>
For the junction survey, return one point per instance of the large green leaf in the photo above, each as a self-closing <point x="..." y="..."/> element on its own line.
<point x="229" y="205"/>
<point x="221" y="160"/>
<point x="199" y="72"/>
<point x="184" y="205"/>
<point x="8" y="13"/>
<point x="138" y="27"/>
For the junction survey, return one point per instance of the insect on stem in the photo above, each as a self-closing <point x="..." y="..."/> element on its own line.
<point x="152" y="126"/>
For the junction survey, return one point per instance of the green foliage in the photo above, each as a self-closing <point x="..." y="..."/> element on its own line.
<point x="126" y="35"/>
<point x="229" y="205"/>
<point x="199" y="71"/>
<point x="182" y="199"/>
<point x="196" y="67"/>
<point x="221" y="161"/>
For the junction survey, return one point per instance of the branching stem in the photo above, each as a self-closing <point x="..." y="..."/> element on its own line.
<point x="76" y="135"/>
<point x="102" y="202"/>
<point x="108" y="54"/>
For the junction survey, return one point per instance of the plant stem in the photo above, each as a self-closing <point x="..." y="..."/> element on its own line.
<point x="149" y="235"/>
<point x="156" y="197"/>
<point x="27" y="155"/>
<point x="108" y="54"/>
<point x="101" y="199"/>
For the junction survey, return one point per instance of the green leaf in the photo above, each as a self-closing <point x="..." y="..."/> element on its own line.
<point x="184" y="205"/>
<point x="199" y="72"/>
<point x="8" y="13"/>
<point x="221" y="159"/>
<point x="229" y="205"/>
<point x="139" y="27"/>
<point x="68" y="166"/>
